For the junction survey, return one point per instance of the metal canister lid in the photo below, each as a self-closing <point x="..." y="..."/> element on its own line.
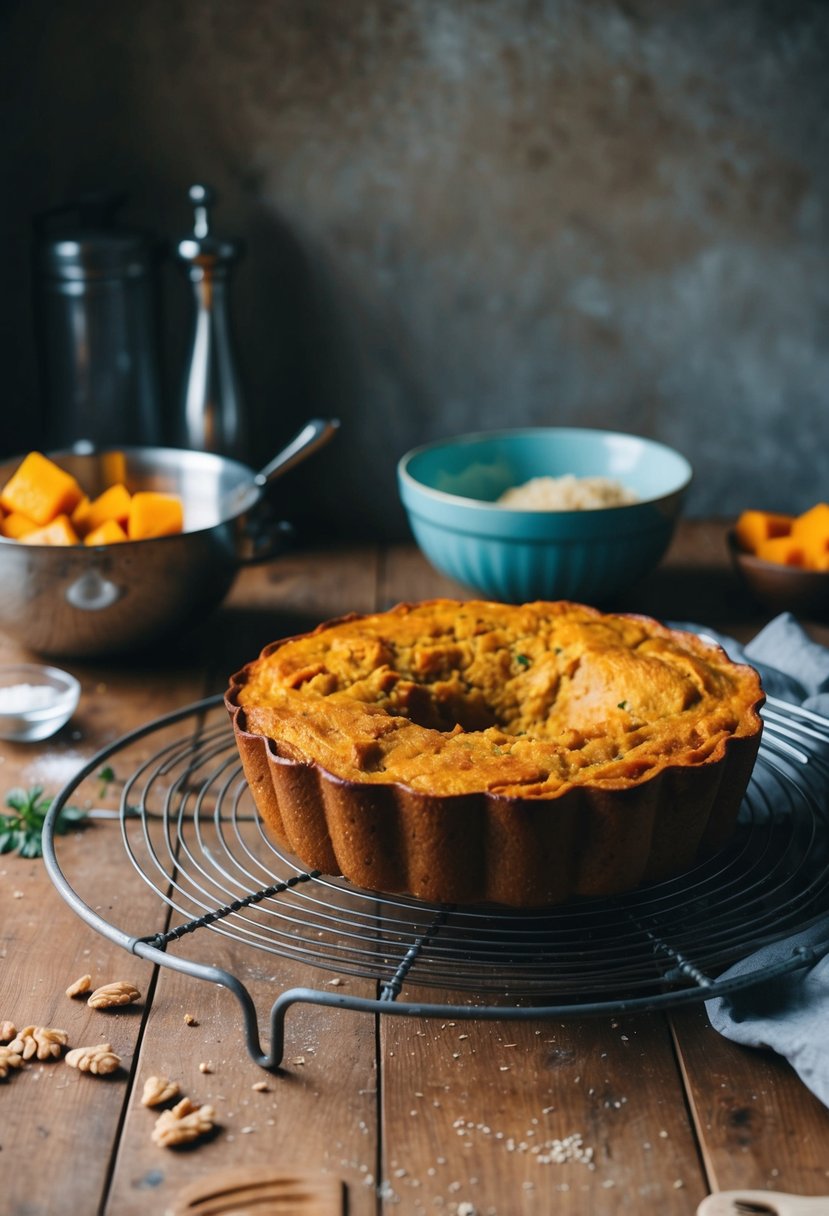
<point x="89" y="254"/>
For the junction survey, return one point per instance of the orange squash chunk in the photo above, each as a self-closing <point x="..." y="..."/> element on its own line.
<point x="41" y="490"/>
<point x="113" y="467"/>
<point x="58" y="532"/>
<point x="112" y="504"/>
<point x="109" y="532"/>
<point x="78" y="516"/>
<point x="811" y="529"/>
<point x="154" y="514"/>
<point x="816" y="519"/>
<point x="784" y="550"/>
<point x="753" y="528"/>
<point x="15" y="525"/>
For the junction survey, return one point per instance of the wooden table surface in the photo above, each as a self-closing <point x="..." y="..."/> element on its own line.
<point x="376" y="1113"/>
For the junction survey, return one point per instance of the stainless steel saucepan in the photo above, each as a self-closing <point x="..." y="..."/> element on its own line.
<point x="89" y="601"/>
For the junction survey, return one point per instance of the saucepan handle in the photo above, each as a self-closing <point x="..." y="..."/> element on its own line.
<point x="312" y="436"/>
<point x="264" y="536"/>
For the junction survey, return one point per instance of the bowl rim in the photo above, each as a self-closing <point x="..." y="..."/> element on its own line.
<point x="67" y="688"/>
<point x="481" y="504"/>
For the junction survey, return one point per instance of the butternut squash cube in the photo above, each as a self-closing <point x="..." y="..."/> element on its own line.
<point x="109" y="532"/>
<point x="113" y="467"/>
<point x="755" y="527"/>
<point x="815" y="519"/>
<point x="154" y="514"/>
<point x="112" y="504"/>
<point x="15" y="525"/>
<point x="58" y="532"/>
<point x="41" y="490"/>
<point x="784" y="550"/>
<point x="78" y="516"/>
<point x="811" y="529"/>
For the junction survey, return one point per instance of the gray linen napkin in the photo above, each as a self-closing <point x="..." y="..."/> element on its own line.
<point x="788" y="1013"/>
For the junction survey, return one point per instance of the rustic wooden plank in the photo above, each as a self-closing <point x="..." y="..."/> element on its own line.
<point x="72" y="1116"/>
<point x="473" y="1110"/>
<point x="695" y="581"/>
<point x="289" y="596"/>
<point x="319" y="1111"/>
<point x="406" y="575"/>
<point x="83" y="1111"/>
<point x="758" y="1125"/>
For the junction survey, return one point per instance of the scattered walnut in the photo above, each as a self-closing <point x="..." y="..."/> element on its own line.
<point x="261" y="1087"/>
<point x="120" y="992"/>
<point x="189" y="1020"/>
<point x="184" y="1123"/>
<point x="7" y="1032"/>
<point x="81" y="985"/>
<point x="158" y="1090"/>
<point x="42" y="1041"/>
<point x="99" y="1059"/>
<point x="9" y="1059"/>
<point x="206" y="1066"/>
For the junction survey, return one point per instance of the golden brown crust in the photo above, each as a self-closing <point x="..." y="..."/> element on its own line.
<point x="555" y="784"/>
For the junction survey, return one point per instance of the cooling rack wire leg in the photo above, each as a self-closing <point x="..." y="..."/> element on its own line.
<point x="147" y="949"/>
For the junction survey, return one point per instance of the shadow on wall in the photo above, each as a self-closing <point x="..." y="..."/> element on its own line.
<point x="459" y="216"/>
<point x="315" y="345"/>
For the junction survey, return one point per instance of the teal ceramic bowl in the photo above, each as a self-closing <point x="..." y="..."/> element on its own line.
<point x="449" y="489"/>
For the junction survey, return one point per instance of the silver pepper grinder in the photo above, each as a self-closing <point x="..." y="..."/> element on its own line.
<point x="212" y="414"/>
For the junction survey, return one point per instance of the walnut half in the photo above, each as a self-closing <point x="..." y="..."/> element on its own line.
<point x="183" y="1124"/>
<point x="81" y="985"/>
<point x="120" y="992"/>
<point x="158" y="1090"/>
<point x="45" y="1042"/>
<point x="9" y="1059"/>
<point x="99" y="1059"/>
<point x="7" y="1032"/>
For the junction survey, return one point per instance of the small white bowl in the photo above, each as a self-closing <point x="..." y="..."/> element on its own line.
<point x="35" y="701"/>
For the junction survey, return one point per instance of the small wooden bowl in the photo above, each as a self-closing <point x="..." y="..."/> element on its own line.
<point x="782" y="588"/>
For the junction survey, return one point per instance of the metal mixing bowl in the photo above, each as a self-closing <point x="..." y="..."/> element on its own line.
<point x="94" y="600"/>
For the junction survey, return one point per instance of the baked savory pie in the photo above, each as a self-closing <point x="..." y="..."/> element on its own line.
<point x="466" y="752"/>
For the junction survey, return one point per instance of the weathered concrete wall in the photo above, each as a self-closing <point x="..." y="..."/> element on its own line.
<point x="462" y="214"/>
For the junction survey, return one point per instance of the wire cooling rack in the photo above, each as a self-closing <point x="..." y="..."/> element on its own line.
<point x="190" y="831"/>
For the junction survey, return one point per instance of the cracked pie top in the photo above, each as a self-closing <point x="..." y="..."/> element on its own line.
<point x="466" y="752"/>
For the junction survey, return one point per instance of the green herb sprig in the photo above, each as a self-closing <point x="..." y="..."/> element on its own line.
<point x="106" y="776"/>
<point x="20" y="831"/>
